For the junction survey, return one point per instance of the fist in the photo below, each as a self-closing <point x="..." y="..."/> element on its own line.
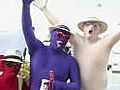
<point x="27" y="1"/>
<point x="44" y="84"/>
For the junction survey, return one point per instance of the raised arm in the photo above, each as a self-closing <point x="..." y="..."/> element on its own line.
<point x="28" y="31"/>
<point x="54" y="21"/>
<point x="112" y="39"/>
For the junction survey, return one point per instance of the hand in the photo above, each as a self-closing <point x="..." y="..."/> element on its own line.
<point x="27" y="2"/>
<point x="1" y="73"/>
<point x="44" y="84"/>
<point x="40" y="4"/>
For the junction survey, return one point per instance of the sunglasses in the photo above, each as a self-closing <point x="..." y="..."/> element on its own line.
<point x="11" y="64"/>
<point x="46" y="83"/>
<point x="62" y="35"/>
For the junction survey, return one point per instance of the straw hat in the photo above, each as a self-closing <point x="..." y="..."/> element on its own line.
<point x="93" y="19"/>
<point x="13" y="55"/>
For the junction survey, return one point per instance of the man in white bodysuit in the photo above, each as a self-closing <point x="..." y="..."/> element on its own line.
<point x="91" y="51"/>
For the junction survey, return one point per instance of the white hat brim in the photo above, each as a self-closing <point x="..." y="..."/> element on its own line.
<point x="102" y="24"/>
<point x="12" y="60"/>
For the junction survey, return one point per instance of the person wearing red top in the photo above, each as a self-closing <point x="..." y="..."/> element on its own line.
<point x="9" y="68"/>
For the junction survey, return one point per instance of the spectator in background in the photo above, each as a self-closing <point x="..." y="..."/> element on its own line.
<point x="24" y="72"/>
<point x="10" y="64"/>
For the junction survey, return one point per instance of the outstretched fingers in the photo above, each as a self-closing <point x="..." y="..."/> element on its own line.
<point x="41" y="4"/>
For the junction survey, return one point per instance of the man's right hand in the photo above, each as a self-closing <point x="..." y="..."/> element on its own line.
<point x="44" y="84"/>
<point x="27" y="2"/>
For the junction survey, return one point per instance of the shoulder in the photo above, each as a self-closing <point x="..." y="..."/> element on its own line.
<point x="75" y="37"/>
<point x="72" y="59"/>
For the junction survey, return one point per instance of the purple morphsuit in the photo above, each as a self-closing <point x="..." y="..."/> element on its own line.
<point x="45" y="58"/>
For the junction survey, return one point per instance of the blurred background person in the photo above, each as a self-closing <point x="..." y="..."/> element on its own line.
<point x="10" y="64"/>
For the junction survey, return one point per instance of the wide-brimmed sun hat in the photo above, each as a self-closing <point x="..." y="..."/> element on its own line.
<point x="102" y="24"/>
<point x="13" y="56"/>
<point x="60" y="27"/>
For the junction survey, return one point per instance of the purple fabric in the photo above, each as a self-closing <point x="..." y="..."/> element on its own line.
<point x="46" y="58"/>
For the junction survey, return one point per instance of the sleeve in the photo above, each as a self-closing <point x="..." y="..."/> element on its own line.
<point x="28" y="31"/>
<point x="74" y="83"/>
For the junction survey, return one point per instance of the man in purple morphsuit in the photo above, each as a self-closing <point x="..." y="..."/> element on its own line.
<point x="47" y="58"/>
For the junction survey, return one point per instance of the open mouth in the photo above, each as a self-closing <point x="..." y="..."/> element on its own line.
<point x="59" y="43"/>
<point x="90" y="31"/>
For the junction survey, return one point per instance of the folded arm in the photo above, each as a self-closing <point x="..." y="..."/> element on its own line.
<point x="59" y="85"/>
<point x="74" y="77"/>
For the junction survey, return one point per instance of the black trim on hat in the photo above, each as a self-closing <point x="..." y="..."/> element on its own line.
<point x="13" y="57"/>
<point x="60" y="27"/>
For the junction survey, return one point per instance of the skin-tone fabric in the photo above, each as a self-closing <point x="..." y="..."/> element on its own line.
<point x="46" y="58"/>
<point x="92" y="54"/>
